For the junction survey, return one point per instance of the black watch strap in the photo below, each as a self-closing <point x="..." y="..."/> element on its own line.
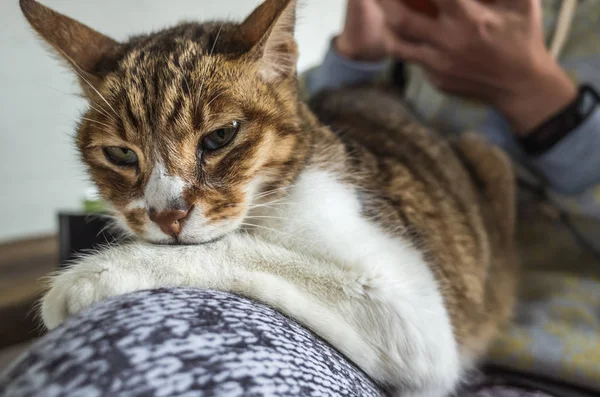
<point x="552" y="131"/>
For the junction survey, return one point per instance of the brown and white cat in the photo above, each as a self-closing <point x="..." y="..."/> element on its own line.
<point x="391" y="243"/>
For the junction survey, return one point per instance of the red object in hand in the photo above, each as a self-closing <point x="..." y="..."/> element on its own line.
<point x="428" y="7"/>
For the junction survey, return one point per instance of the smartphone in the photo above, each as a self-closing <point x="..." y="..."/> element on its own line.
<point x="428" y="7"/>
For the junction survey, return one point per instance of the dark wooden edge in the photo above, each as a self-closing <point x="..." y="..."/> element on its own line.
<point x="24" y="260"/>
<point x="19" y="323"/>
<point x="24" y="249"/>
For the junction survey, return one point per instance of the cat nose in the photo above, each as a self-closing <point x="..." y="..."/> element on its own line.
<point x="169" y="221"/>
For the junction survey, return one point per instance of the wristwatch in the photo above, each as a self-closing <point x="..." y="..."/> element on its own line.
<point x="553" y="130"/>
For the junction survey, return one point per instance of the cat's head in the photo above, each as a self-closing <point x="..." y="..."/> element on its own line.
<point x="187" y="125"/>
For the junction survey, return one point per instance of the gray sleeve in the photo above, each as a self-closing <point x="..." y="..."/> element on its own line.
<point x="337" y="71"/>
<point x="573" y="165"/>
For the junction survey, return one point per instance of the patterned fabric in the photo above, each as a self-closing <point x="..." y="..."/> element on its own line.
<point x="195" y="343"/>
<point x="557" y="331"/>
<point x="499" y="383"/>
<point x="182" y="342"/>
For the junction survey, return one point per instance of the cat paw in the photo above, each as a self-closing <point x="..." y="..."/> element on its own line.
<point x="82" y="286"/>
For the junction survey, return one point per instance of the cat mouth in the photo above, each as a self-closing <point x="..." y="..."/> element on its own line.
<point x="177" y="242"/>
<point x="197" y="234"/>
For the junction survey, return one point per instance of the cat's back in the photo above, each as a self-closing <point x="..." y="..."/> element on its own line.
<point x="402" y="158"/>
<point x="375" y="117"/>
<point x="376" y="126"/>
<point x="452" y="200"/>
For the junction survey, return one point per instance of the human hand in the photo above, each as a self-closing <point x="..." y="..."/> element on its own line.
<point x="363" y="36"/>
<point x="491" y="52"/>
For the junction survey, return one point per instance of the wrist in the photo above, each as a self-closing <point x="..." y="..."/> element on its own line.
<point x="559" y="126"/>
<point x="543" y="95"/>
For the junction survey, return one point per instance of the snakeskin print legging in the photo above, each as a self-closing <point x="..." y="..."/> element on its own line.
<point x="187" y="342"/>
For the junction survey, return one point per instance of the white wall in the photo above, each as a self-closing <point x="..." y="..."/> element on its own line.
<point x="39" y="168"/>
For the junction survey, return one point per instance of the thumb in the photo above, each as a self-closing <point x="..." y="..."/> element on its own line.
<point x="360" y="12"/>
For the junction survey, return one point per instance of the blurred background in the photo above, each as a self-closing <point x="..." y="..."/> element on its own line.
<point x="40" y="173"/>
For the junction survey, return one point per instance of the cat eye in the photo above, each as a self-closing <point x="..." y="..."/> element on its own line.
<point x="221" y="137"/>
<point x="121" y="156"/>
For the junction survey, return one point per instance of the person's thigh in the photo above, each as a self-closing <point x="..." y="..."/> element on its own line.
<point x="183" y="342"/>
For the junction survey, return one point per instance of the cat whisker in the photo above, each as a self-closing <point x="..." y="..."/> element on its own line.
<point x="111" y="222"/>
<point x="265" y="195"/>
<point x="281" y="200"/>
<point x="98" y="93"/>
<point x="266" y="217"/>
<point x="277" y="200"/>
<point x="273" y="191"/>
<point x="215" y="115"/>
<point x="215" y="98"/>
<point x="61" y="92"/>
<point x="103" y="111"/>
<point x="274" y="207"/>
<point x="209" y="56"/>
<point x="97" y="122"/>
<point x="187" y="84"/>
<point x="105" y="228"/>
<point x="100" y="110"/>
<point x="79" y="70"/>
<point x="264" y="227"/>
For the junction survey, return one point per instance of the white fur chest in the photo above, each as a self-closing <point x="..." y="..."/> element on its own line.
<point x="370" y="294"/>
<point x="322" y="215"/>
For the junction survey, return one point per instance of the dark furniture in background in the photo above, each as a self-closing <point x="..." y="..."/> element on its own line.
<point x="79" y="232"/>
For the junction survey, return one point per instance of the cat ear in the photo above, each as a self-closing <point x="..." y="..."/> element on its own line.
<point x="270" y="31"/>
<point x="91" y="54"/>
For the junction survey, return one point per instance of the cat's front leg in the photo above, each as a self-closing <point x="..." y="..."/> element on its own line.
<point x="356" y="312"/>
<point x="229" y="265"/>
<point x="89" y="280"/>
<point x="238" y="264"/>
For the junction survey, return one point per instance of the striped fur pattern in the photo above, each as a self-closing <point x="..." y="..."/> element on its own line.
<point x="404" y="197"/>
<point x="160" y="94"/>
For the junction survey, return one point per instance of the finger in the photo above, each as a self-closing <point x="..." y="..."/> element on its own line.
<point x="448" y="7"/>
<point x="356" y="9"/>
<point x="525" y="7"/>
<point x="409" y="23"/>
<point x="461" y="7"/>
<point x="407" y="50"/>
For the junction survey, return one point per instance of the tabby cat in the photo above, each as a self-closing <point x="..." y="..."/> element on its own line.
<point x="391" y="243"/>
